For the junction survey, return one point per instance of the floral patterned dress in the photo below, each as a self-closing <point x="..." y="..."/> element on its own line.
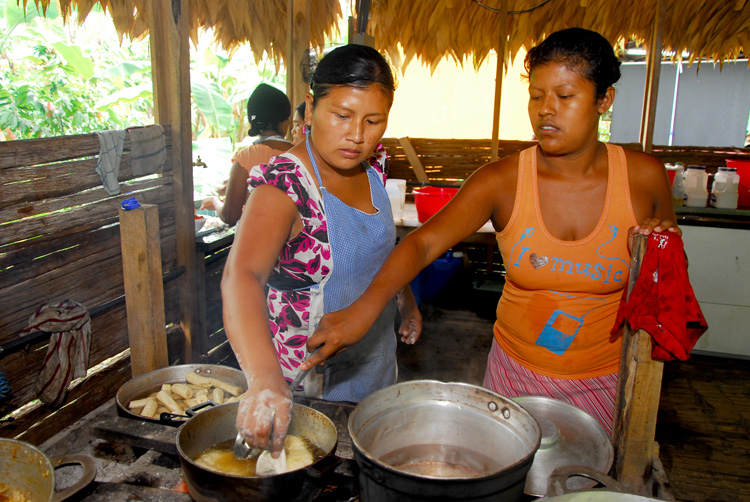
<point x="305" y="260"/>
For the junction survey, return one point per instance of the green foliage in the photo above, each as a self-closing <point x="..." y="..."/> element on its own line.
<point x="59" y="79"/>
<point x="67" y="79"/>
<point x="220" y="86"/>
<point x="605" y="123"/>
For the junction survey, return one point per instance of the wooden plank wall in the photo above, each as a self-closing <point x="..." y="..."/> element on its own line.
<point x="453" y="160"/>
<point x="59" y="238"/>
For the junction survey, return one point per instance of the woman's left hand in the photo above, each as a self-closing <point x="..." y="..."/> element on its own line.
<point x="649" y="225"/>
<point x="411" y="318"/>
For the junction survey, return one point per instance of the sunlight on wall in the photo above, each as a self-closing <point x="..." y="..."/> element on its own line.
<point x="457" y="102"/>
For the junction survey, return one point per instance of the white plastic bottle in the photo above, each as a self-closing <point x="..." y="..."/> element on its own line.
<point x="678" y="186"/>
<point x="725" y="191"/>
<point x="696" y="192"/>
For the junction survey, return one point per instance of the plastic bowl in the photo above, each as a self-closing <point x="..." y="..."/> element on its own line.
<point x="430" y="200"/>
<point x="743" y="169"/>
<point x="199" y="222"/>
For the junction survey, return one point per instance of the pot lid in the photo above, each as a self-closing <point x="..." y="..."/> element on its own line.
<point x="570" y="436"/>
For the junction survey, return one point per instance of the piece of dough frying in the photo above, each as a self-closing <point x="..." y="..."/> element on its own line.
<point x="297" y="453"/>
<point x="269" y="466"/>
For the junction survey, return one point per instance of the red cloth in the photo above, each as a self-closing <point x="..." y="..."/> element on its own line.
<point x="662" y="301"/>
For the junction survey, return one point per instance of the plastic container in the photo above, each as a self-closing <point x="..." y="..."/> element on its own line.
<point x="672" y="171"/>
<point x="696" y="180"/>
<point x="678" y="186"/>
<point x="430" y="200"/>
<point x="397" y="195"/>
<point x="725" y="190"/>
<point x="743" y="170"/>
<point x="437" y="276"/>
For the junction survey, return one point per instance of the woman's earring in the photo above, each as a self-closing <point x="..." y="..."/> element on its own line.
<point x="305" y="129"/>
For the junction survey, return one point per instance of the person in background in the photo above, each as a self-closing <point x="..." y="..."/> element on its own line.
<point x="298" y="124"/>
<point x="565" y="212"/>
<point x="268" y="111"/>
<point x="316" y="227"/>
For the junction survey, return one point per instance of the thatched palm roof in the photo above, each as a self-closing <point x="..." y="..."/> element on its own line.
<point x="462" y="29"/>
<point x="466" y="31"/>
<point x="260" y="23"/>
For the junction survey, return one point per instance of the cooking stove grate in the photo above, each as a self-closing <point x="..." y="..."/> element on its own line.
<point x="341" y="484"/>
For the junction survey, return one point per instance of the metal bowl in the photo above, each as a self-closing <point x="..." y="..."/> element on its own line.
<point x="143" y="385"/>
<point x="570" y="436"/>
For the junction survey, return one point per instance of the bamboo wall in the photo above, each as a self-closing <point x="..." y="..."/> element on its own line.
<point x="453" y="160"/>
<point x="60" y="239"/>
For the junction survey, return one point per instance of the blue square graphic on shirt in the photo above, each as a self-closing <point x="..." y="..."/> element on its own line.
<point x="559" y="331"/>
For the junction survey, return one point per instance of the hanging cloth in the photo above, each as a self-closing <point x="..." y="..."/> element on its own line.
<point x="68" y="351"/>
<point x="662" y="301"/>
<point x="111" y="144"/>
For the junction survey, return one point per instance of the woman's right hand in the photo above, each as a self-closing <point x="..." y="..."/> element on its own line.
<point x="264" y="414"/>
<point x="211" y="203"/>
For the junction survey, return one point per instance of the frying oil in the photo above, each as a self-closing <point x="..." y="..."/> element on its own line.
<point x="220" y="458"/>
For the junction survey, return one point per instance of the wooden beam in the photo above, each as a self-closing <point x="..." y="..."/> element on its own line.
<point x="170" y="69"/>
<point x="501" y="49"/>
<point x="656" y="44"/>
<point x="637" y="404"/>
<point x="416" y="164"/>
<point x="144" y="289"/>
<point x="298" y="44"/>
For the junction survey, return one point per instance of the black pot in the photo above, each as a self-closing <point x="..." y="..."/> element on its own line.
<point x="217" y="425"/>
<point x="426" y="440"/>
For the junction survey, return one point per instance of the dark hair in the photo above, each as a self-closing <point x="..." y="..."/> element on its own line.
<point x="301" y="110"/>
<point x="267" y="107"/>
<point x="583" y="51"/>
<point x="351" y="65"/>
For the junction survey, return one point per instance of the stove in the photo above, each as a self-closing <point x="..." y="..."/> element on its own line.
<point x="138" y="460"/>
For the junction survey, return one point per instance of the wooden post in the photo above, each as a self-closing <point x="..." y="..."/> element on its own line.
<point x="298" y="44"/>
<point x="144" y="289"/>
<point x="501" y="49"/>
<point x="170" y="69"/>
<point x="648" y="117"/>
<point x="416" y="164"/>
<point x="639" y="389"/>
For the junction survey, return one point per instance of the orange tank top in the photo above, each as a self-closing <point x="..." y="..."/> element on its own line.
<point x="561" y="297"/>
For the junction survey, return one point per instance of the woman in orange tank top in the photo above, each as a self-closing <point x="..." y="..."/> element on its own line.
<point x="565" y="212"/>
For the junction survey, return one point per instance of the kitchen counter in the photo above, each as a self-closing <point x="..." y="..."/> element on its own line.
<point x="713" y="217"/>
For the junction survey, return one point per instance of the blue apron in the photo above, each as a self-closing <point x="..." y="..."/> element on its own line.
<point x="360" y="243"/>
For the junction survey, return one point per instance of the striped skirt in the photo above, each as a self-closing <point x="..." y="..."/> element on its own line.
<point x="508" y="378"/>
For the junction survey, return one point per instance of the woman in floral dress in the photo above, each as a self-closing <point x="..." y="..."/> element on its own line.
<point x="316" y="228"/>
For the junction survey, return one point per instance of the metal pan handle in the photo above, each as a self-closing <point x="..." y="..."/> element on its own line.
<point x="557" y="483"/>
<point x="89" y="473"/>
<point x="167" y="418"/>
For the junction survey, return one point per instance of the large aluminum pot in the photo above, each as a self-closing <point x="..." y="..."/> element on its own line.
<point x="425" y="440"/>
<point x="217" y="425"/>
<point x="143" y="385"/>
<point x="29" y="472"/>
